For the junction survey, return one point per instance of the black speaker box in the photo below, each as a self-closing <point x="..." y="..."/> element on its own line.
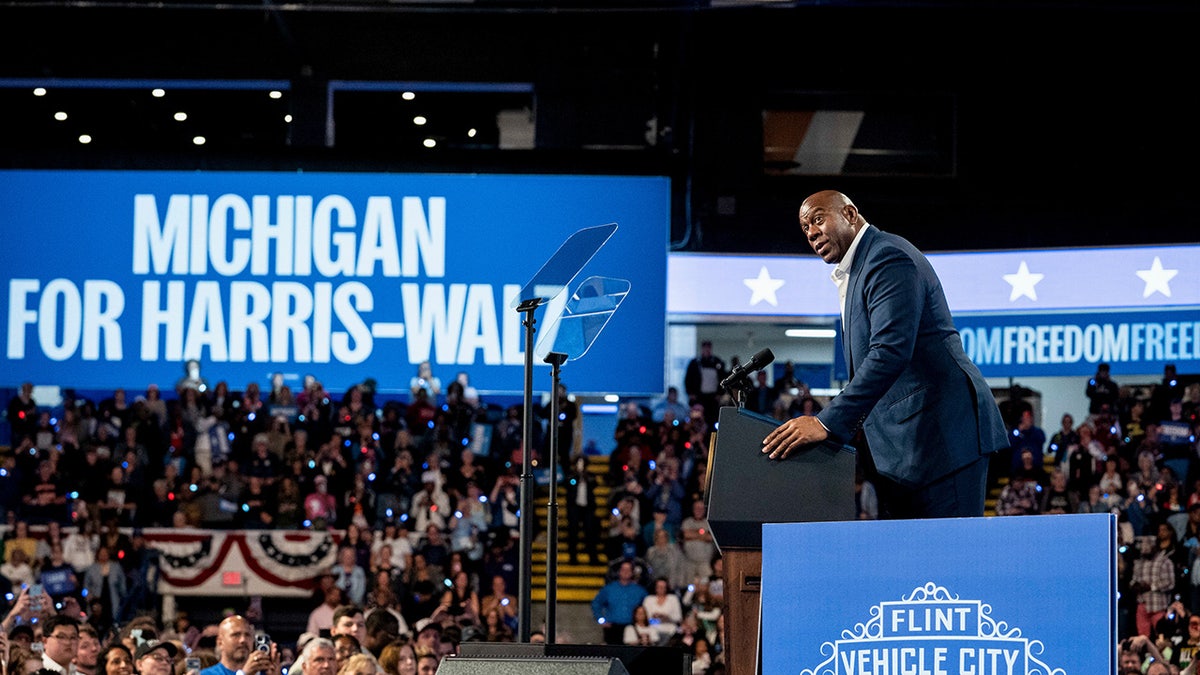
<point x="544" y="665"/>
<point x="631" y="660"/>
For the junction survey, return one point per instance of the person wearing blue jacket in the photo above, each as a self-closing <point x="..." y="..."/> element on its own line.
<point x="615" y="601"/>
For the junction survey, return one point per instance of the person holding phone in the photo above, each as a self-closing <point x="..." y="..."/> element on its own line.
<point x="193" y="665"/>
<point x="501" y="601"/>
<point x="235" y="649"/>
<point x="32" y="603"/>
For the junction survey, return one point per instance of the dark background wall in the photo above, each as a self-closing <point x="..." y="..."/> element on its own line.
<point x="1067" y="123"/>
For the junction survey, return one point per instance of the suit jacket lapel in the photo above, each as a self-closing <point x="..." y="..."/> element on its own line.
<point x="853" y="295"/>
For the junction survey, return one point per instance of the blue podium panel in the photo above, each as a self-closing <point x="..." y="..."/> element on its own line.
<point x="965" y="596"/>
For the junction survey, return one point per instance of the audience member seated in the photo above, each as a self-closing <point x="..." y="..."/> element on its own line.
<point x="1019" y="497"/>
<point x="640" y="632"/>
<point x="501" y="601"/>
<point x="664" y="608"/>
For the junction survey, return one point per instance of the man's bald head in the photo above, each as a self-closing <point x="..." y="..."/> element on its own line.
<point x="235" y="621"/>
<point x="830" y="221"/>
<point x="235" y="638"/>
<point x="828" y="198"/>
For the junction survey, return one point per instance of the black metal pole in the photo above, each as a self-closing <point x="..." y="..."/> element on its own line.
<point x="555" y="360"/>
<point x="525" y="583"/>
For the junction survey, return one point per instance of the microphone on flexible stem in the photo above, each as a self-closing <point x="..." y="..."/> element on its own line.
<point x="756" y="362"/>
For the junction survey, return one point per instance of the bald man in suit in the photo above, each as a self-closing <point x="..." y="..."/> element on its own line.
<point x="928" y="417"/>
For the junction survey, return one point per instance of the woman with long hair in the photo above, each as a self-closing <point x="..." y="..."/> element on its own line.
<point x="663" y="607"/>
<point x="641" y="632"/>
<point x="116" y="659"/>
<point x="494" y="627"/>
<point x="358" y="664"/>
<point x="399" y="658"/>
<point x="460" y="602"/>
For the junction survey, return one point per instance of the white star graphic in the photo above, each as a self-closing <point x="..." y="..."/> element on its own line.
<point x="1023" y="283"/>
<point x="1157" y="279"/>
<point x="764" y="287"/>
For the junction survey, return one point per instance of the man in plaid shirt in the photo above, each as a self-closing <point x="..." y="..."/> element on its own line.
<point x="1154" y="576"/>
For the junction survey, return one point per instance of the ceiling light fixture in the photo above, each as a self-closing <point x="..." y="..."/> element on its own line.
<point x="158" y="93"/>
<point x="60" y="116"/>
<point x="822" y="333"/>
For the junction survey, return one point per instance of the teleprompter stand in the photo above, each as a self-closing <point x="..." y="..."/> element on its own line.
<point x="547" y="288"/>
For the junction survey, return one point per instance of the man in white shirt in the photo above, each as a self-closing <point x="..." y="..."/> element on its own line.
<point x="60" y="638"/>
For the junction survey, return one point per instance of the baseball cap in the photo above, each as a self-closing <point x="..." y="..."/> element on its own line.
<point x="428" y="623"/>
<point x="150" y="645"/>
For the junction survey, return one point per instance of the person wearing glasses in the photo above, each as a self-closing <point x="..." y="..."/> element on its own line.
<point x="60" y="638"/>
<point x="155" y="657"/>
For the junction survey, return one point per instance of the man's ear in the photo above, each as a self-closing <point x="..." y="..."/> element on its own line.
<point x="851" y="213"/>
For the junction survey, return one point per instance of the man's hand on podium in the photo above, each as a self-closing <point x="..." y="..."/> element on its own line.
<point x="792" y="435"/>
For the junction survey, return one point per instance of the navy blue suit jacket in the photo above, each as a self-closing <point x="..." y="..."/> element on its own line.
<point x="923" y="406"/>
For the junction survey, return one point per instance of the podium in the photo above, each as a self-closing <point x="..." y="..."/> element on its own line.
<point x="940" y="595"/>
<point x="746" y="489"/>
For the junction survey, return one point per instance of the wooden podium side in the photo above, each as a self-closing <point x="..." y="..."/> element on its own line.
<point x="743" y="585"/>
<point x="746" y="489"/>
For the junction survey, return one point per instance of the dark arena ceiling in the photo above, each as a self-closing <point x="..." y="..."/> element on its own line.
<point x="962" y="125"/>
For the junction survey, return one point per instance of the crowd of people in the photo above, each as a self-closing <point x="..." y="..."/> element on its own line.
<point x="39" y="640"/>
<point x="664" y="585"/>
<point x="427" y="527"/>
<point x="1135" y="455"/>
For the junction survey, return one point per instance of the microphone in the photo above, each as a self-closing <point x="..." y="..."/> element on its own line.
<point x="757" y="362"/>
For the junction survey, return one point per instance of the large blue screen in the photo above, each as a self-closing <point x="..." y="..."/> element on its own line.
<point x="115" y="278"/>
